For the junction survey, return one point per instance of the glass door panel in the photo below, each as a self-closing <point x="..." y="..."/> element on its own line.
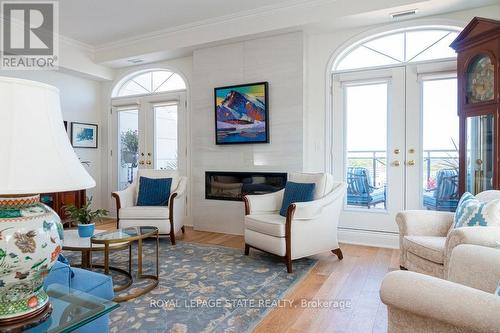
<point x="440" y="135"/>
<point x="165" y="137"/>
<point x="480" y="154"/>
<point x="366" y="174"/>
<point x="128" y="146"/>
<point x="368" y="148"/>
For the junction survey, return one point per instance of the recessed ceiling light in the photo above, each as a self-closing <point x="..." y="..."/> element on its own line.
<point x="135" y="61"/>
<point x="397" y="15"/>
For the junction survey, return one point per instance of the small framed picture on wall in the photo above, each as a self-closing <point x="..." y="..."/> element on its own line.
<point x="83" y="135"/>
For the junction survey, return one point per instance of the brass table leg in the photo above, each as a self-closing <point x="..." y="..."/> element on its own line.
<point x="139" y="257"/>
<point x="106" y="259"/>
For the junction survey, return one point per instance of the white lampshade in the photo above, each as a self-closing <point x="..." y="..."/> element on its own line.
<point x="35" y="153"/>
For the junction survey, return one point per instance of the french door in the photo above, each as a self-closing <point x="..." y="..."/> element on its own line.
<point x="149" y="132"/>
<point x="395" y="140"/>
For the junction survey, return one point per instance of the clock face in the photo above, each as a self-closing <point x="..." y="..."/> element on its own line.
<point x="480" y="80"/>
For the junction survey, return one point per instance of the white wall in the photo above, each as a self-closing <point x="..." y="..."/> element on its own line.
<point x="80" y="102"/>
<point x="319" y="50"/>
<point x="278" y="60"/>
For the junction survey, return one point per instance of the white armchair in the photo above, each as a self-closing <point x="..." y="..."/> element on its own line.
<point x="418" y="303"/>
<point x="309" y="227"/>
<point x="427" y="238"/>
<point x="168" y="219"/>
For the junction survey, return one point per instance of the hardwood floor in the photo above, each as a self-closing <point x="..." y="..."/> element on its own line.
<point x="355" y="279"/>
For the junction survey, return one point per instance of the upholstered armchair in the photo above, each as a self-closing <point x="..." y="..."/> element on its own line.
<point x="309" y="227"/>
<point x="168" y="219"/>
<point x="465" y="302"/>
<point x="427" y="238"/>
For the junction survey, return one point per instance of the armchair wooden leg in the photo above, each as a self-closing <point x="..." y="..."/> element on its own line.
<point x="183" y="230"/>
<point x="338" y="253"/>
<point x="288" y="260"/>
<point x="247" y="249"/>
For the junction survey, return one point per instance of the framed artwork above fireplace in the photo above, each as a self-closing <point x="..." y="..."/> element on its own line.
<point x="242" y="114"/>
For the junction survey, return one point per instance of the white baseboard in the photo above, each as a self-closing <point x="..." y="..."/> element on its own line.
<point x="369" y="238"/>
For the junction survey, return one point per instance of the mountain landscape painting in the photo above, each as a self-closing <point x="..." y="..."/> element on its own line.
<point x="241" y="113"/>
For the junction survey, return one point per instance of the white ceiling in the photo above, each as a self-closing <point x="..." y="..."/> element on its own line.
<point x="97" y="22"/>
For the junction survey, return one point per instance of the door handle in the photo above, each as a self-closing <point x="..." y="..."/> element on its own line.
<point x="148" y="162"/>
<point x="141" y="162"/>
<point x="396" y="163"/>
<point x="410" y="163"/>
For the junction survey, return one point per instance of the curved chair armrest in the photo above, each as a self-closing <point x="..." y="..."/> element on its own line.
<point x="263" y="203"/>
<point x="475" y="266"/>
<point x="424" y="223"/>
<point x="312" y="209"/>
<point x="441" y="300"/>
<point x="125" y="198"/>
<point x="484" y="236"/>
<point x="181" y="188"/>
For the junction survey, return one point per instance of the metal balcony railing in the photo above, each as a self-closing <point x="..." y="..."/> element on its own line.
<point x="376" y="162"/>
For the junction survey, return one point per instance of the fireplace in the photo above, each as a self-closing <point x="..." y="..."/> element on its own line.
<point x="222" y="185"/>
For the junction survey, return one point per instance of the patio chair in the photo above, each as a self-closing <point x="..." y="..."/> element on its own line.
<point x="445" y="196"/>
<point x="359" y="190"/>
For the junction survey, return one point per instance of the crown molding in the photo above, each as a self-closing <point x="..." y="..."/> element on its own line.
<point x="208" y="22"/>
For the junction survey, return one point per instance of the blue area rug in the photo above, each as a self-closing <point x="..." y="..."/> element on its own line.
<point x="203" y="289"/>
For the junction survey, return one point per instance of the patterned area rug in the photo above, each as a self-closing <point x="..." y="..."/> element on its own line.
<point x="203" y="288"/>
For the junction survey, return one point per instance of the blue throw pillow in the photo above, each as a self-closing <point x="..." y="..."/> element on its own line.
<point x="154" y="191"/>
<point x="472" y="212"/>
<point x="296" y="192"/>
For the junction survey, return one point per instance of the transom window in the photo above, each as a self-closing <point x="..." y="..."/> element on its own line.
<point x="399" y="48"/>
<point x="150" y="83"/>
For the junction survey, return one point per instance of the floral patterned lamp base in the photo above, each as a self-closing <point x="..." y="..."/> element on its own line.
<point x="30" y="242"/>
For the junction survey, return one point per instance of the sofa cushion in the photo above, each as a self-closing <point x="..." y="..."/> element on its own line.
<point x="154" y="191"/>
<point x="269" y="224"/>
<point x="427" y="247"/>
<point x="472" y="212"/>
<point x="144" y="212"/>
<point x="323" y="182"/>
<point x="497" y="292"/>
<point x="296" y="192"/>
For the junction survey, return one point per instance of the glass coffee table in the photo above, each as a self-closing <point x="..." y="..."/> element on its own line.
<point x="70" y="309"/>
<point x="109" y="239"/>
<point x="73" y="242"/>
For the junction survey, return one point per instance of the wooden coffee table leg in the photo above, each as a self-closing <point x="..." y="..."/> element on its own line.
<point x="130" y="258"/>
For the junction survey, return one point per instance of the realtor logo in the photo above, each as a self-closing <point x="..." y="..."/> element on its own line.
<point x="29" y="35"/>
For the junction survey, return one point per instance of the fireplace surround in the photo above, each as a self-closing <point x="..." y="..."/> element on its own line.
<point x="225" y="185"/>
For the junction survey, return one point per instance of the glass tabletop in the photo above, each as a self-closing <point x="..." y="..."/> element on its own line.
<point x="72" y="309"/>
<point x="124" y="234"/>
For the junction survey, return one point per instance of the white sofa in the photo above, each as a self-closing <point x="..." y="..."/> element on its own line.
<point x="309" y="227"/>
<point x="168" y="219"/>
<point x="465" y="302"/>
<point x="427" y="238"/>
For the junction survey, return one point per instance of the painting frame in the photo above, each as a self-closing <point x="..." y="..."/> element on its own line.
<point x="265" y="139"/>
<point x="76" y="143"/>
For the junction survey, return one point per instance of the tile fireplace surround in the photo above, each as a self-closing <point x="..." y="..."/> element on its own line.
<point x="222" y="185"/>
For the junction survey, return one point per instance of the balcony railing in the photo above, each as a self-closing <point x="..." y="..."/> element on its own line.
<point x="376" y="162"/>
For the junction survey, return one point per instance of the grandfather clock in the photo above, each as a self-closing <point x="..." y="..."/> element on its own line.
<point x="478" y="54"/>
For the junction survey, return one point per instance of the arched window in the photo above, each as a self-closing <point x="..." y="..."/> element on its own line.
<point x="396" y="48"/>
<point x="151" y="82"/>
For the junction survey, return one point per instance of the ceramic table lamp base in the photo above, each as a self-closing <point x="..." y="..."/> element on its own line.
<point x="30" y="242"/>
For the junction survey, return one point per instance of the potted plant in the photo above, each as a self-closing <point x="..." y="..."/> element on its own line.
<point x="85" y="217"/>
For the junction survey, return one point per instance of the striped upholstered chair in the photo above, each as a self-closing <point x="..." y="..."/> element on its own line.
<point x="445" y="196"/>
<point x="359" y="190"/>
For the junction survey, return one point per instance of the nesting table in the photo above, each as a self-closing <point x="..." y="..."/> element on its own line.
<point x="119" y="239"/>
